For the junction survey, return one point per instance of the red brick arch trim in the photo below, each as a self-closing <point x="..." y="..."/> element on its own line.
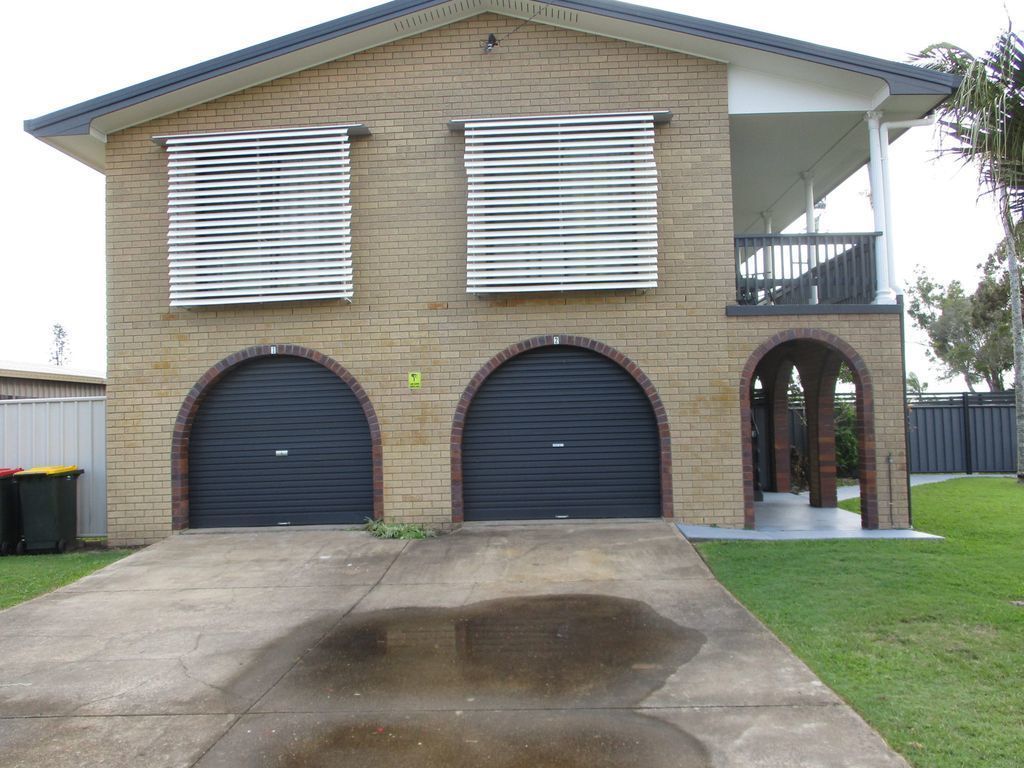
<point x="660" y="414"/>
<point x="865" y="415"/>
<point x="194" y="399"/>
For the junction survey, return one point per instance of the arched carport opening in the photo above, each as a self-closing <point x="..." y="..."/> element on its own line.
<point x="817" y="356"/>
<point x="627" y="369"/>
<point x="207" y="383"/>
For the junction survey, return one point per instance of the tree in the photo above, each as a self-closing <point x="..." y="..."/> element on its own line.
<point x="59" y="352"/>
<point x="969" y="334"/>
<point x="985" y="118"/>
<point x="914" y="384"/>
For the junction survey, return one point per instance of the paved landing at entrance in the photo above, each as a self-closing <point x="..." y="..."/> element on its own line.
<point x="595" y="644"/>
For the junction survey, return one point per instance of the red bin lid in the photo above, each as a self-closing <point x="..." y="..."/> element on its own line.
<point x="7" y="472"/>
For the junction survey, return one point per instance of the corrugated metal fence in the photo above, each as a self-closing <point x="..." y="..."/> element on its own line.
<point x="948" y="433"/>
<point x="64" y="431"/>
<point x="962" y="433"/>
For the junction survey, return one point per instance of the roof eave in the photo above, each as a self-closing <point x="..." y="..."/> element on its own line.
<point x="77" y="120"/>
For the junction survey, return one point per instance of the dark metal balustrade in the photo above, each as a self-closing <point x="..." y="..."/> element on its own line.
<point x="805" y="269"/>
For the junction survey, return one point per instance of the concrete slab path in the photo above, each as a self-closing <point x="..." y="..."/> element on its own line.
<point x="593" y="644"/>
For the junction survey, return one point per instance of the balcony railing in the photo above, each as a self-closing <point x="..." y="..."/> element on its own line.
<point x="805" y="269"/>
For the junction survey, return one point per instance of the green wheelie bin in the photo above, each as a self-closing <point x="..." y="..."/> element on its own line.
<point x="49" y="507"/>
<point x="10" y="516"/>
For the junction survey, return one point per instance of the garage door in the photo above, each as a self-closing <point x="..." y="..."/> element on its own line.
<point x="280" y="441"/>
<point x="560" y="432"/>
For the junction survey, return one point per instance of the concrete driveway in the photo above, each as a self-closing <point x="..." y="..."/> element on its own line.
<point x="596" y="644"/>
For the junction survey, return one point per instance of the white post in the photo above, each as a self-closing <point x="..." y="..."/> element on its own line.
<point x="808" y="178"/>
<point x="883" y="287"/>
<point x="883" y="140"/>
<point x="768" y="258"/>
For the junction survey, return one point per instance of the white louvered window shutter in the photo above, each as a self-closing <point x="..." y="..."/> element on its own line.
<point x="259" y="216"/>
<point x="561" y="203"/>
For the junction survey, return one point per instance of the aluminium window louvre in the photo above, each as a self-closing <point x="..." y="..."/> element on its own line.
<point x="259" y="216"/>
<point x="561" y="202"/>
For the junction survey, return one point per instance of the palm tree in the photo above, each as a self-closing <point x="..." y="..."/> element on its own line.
<point x="985" y="117"/>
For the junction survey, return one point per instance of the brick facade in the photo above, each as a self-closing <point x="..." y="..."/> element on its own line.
<point x="411" y="311"/>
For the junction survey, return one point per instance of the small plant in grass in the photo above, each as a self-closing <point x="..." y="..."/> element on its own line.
<point x="383" y="530"/>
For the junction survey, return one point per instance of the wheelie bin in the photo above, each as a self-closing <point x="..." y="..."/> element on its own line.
<point x="49" y="507"/>
<point x="10" y="516"/>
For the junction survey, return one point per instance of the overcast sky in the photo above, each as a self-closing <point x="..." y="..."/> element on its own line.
<point x="59" y="53"/>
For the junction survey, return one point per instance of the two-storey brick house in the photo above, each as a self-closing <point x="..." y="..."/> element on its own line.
<point x="399" y="265"/>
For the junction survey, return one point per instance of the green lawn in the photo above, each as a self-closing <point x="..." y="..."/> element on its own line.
<point x="26" y="576"/>
<point x="920" y="637"/>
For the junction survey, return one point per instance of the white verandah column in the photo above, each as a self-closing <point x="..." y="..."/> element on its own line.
<point x="883" y="285"/>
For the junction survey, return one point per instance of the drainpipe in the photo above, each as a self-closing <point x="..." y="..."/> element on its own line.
<point x="883" y="131"/>
<point x="883" y="285"/>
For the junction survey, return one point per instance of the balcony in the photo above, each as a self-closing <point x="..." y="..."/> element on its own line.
<point x="788" y="270"/>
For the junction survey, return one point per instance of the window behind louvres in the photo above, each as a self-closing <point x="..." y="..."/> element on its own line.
<point x="259" y="216"/>
<point x="561" y="203"/>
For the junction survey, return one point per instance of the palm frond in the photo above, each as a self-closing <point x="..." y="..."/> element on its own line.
<point x="985" y="116"/>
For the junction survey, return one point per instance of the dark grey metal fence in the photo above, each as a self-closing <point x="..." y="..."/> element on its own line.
<point x="962" y="432"/>
<point x="805" y="269"/>
<point x="948" y="433"/>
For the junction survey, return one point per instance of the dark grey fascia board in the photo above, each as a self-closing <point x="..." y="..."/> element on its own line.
<point x="76" y="119"/>
<point x="661" y="116"/>
<point x="748" y="310"/>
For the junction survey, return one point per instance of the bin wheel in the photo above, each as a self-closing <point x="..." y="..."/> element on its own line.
<point x="62" y="546"/>
<point x="5" y="548"/>
<point x="19" y="548"/>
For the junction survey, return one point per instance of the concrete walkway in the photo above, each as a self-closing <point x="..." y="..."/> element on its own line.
<point x="596" y="644"/>
<point x="790" y="517"/>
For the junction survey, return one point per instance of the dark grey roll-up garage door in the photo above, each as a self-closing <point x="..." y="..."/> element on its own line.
<point x="560" y="432"/>
<point x="280" y="441"/>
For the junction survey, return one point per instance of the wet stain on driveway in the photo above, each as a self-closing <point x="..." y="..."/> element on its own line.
<point x="540" y="739"/>
<point x="534" y="681"/>
<point x="543" y="651"/>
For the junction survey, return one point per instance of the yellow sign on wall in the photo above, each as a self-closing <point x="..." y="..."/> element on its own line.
<point x="415" y="379"/>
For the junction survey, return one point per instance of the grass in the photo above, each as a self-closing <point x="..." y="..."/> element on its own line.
<point x="383" y="530"/>
<point x="922" y="638"/>
<point x="27" y="576"/>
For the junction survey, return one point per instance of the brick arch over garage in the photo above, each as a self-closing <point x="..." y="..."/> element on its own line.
<point x="832" y="351"/>
<point x="194" y="400"/>
<point x="645" y="384"/>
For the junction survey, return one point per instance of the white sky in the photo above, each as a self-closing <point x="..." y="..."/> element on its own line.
<point x="56" y="54"/>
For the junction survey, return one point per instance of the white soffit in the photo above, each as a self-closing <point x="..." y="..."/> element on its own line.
<point x="754" y="92"/>
<point x="831" y="145"/>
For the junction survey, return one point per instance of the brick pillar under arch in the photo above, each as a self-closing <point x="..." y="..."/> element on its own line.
<point x="778" y="402"/>
<point x="194" y="400"/>
<point x="819" y="371"/>
<point x="660" y="414"/>
<point x="828" y="351"/>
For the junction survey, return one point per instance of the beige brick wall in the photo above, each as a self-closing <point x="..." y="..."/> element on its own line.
<point x="411" y="311"/>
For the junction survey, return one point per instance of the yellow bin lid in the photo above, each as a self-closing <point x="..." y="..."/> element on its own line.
<point x="49" y="470"/>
